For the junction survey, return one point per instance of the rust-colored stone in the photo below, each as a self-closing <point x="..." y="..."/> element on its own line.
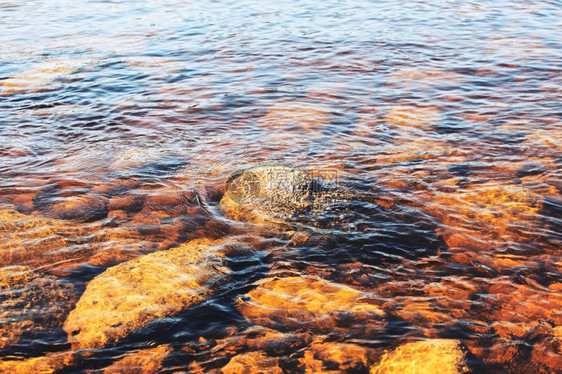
<point x="252" y="363"/>
<point x="486" y="215"/>
<point x="82" y="208"/>
<point x="130" y="295"/>
<point x="333" y="357"/>
<point x="296" y="115"/>
<point x="31" y="303"/>
<point x="39" y="77"/>
<point x="29" y="240"/>
<point x="413" y="116"/>
<point x="271" y="346"/>
<point x="43" y="365"/>
<point x="424" y="357"/>
<point x="310" y="303"/>
<point x="144" y="361"/>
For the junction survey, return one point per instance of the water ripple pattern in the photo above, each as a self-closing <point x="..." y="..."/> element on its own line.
<point x="433" y="127"/>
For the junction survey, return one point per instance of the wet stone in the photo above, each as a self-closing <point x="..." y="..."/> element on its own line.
<point x="140" y="362"/>
<point x="279" y="195"/>
<point x="30" y="240"/>
<point x="129" y="296"/>
<point x="252" y="363"/>
<point x="43" y="365"/>
<point x="82" y="208"/>
<point x="267" y="194"/>
<point x="311" y="303"/>
<point x="334" y="357"/>
<point x="256" y="348"/>
<point x="424" y="357"/>
<point x="32" y="304"/>
<point x="39" y="77"/>
<point x="487" y="215"/>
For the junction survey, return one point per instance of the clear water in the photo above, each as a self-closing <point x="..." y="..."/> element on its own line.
<point x="123" y="120"/>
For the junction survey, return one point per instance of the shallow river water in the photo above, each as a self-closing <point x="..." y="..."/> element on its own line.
<point x="435" y="125"/>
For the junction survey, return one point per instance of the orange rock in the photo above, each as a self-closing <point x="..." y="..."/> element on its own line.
<point x="509" y="330"/>
<point x="82" y="208"/>
<point x="29" y="240"/>
<point x="31" y="303"/>
<point x="59" y="245"/>
<point x="520" y="303"/>
<point x="113" y="252"/>
<point x="423" y="313"/>
<point x="415" y="76"/>
<point x="311" y="303"/>
<point x="546" y="357"/>
<point x="413" y="116"/>
<point x="262" y="343"/>
<point x="43" y="365"/>
<point x="259" y="338"/>
<point x="130" y="295"/>
<point x="486" y="215"/>
<point x="40" y="77"/>
<point x="527" y="347"/>
<point x="424" y="357"/>
<point x="140" y="362"/>
<point x="252" y="363"/>
<point x="294" y="115"/>
<point x="332" y="357"/>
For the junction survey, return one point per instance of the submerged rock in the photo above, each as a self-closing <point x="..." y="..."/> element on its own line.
<point x="289" y="115"/>
<point x="267" y="194"/>
<point x="487" y="215"/>
<point x="333" y="357"/>
<point x="82" y="208"/>
<point x="252" y="363"/>
<point x="60" y="245"/>
<point x="129" y="296"/>
<point x="412" y="116"/>
<point x="424" y="357"/>
<point x="40" y="77"/>
<point x="142" y="362"/>
<point x="259" y="346"/>
<point x="135" y="157"/>
<point x="29" y="240"/>
<point x="43" y="365"/>
<point x="311" y="303"/>
<point x="31" y="303"/>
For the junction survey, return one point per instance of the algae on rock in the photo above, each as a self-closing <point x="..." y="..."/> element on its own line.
<point x="267" y="194"/>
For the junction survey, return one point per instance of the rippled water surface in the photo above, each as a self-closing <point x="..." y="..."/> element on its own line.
<point x="438" y="122"/>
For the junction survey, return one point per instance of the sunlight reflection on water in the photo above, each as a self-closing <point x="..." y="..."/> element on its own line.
<point x="122" y="122"/>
